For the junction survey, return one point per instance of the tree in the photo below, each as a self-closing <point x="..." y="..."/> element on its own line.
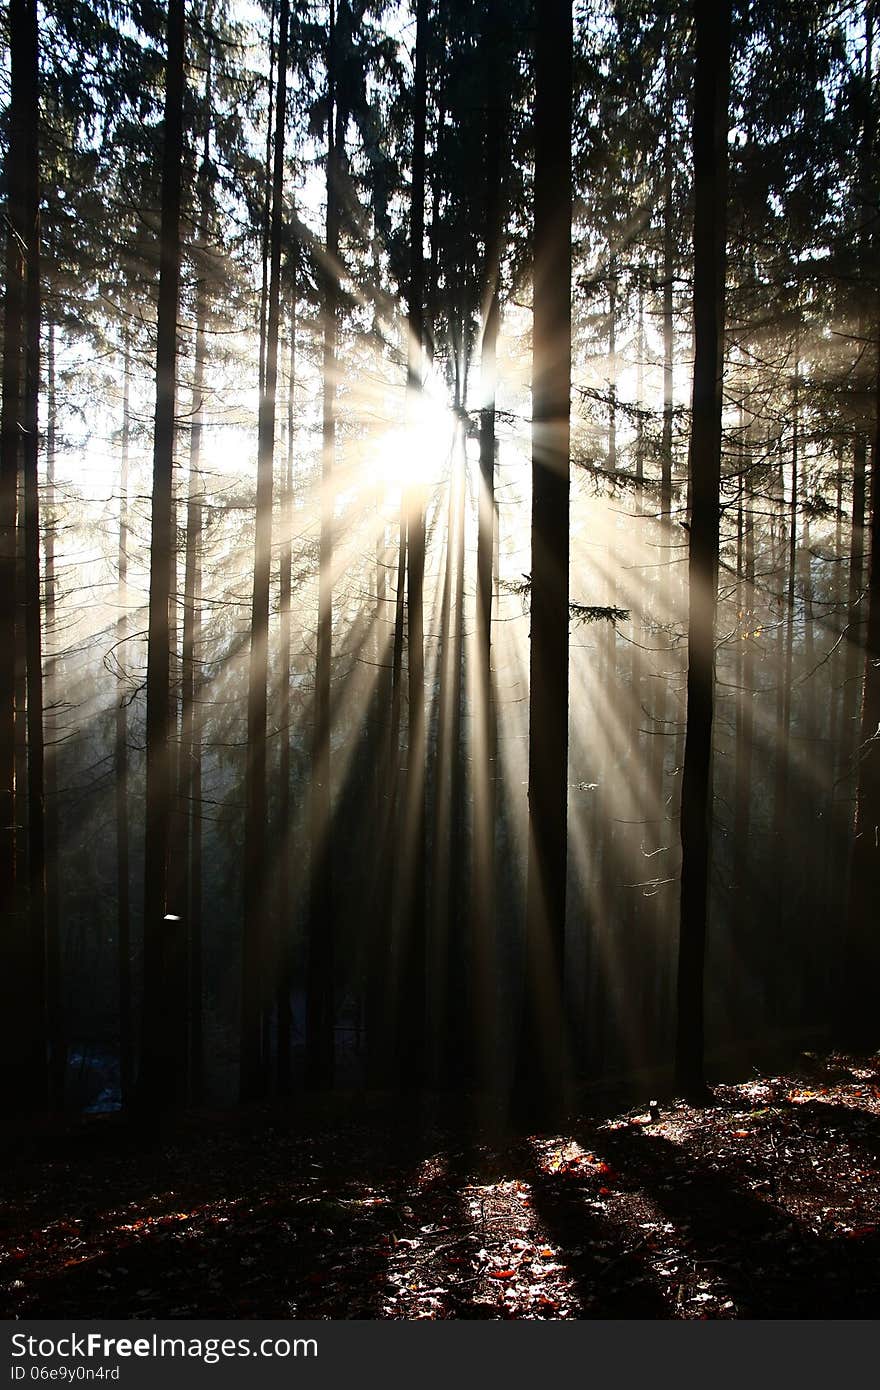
<point x="123" y="837"/>
<point x="413" y="980"/>
<point x="540" y="1061"/>
<point x="161" y="1065"/>
<point x="711" y="87"/>
<point x="22" y="905"/>
<point x="190" y="724"/>
<point x="860" y="944"/>
<point x="284" y="925"/>
<point x="254" y="1074"/>
<point x="320" y="1010"/>
<point x="483" y="984"/>
<point x="54" y="996"/>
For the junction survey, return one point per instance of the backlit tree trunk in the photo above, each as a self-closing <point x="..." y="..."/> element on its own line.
<point x="320" y="1004"/>
<point x="254" y="994"/>
<point x="711" y="85"/>
<point x="161" y="1042"/>
<point x="121" y="788"/>
<point x="190" y="724"/>
<point x="540" y="1060"/>
<point x="38" y="1056"/>
<point x="413" y="982"/>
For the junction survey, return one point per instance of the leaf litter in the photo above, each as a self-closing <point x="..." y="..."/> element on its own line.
<point x="763" y="1203"/>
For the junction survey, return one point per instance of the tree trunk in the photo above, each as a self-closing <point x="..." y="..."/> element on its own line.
<point x="54" y="994"/>
<point x="460" y="1004"/>
<point x="254" y="997"/>
<point x="483" y="986"/>
<point x="21" y="838"/>
<point x="380" y="1001"/>
<point x="19" y="1006"/>
<point x="745" y="732"/>
<point x="320" y="970"/>
<point x="856" y="1003"/>
<point x="446" y="964"/>
<point x="162" y="1050"/>
<point x="853" y="657"/>
<point x="779" y="971"/>
<point x="190" y="726"/>
<point x="855" y="615"/>
<point x="711" y="86"/>
<point x="11" y="424"/>
<point x="36" y="841"/>
<point x="612" y="365"/>
<point x="668" y="272"/>
<point x="284" y="981"/>
<point x="640" y="393"/>
<point x="858" y="1013"/>
<point x="539" y="1079"/>
<point x="413" y="982"/>
<point x="123" y="891"/>
<point x="267" y="205"/>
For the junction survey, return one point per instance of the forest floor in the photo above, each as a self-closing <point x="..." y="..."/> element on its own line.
<point x="764" y="1204"/>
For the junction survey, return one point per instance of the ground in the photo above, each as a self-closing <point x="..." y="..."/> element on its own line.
<point x="765" y="1203"/>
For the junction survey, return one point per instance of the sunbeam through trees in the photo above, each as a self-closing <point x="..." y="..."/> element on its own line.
<point x="439" y="610"/>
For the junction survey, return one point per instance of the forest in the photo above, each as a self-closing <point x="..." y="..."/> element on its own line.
<point x="440" y="658"/>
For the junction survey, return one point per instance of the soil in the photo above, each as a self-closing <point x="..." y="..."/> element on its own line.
<point x="764" y="1203"/>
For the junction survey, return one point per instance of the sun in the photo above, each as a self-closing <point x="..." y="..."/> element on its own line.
<point x="415" y="454"/>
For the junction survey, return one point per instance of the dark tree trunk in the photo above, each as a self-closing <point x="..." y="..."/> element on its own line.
<point x="540" y="1060"/>
<point x="320" y="970"/>
<point x="839" y="620"/>
<point x="858" y="1012"/>
<point x="190" y="725"/>
<point x="745" y="731"/>
<point x="446" y="965"/>
<point x="21" y="774"/>
<point x="853" y="656"/>
<point x="33" y="633"/>
<point x="451" y="857"/>
<point x="267" y="204"/>
<point x="778" y="972"/>
<point x="612" y="364"/>
<point x="640" y="392"/>
<point x="16" y="974"/>
<point x="380" y="1003"/>
<point x="668" y="272"/>
<point x="162" y="1048"/>
<point x="413" y="982"/>
<point x="865" y="221"/>
<point x="10" y="439"/>
<point x="857" y="1002"/>
<point x="806" y="575"/>
<point x="855" y="614"/>
<point x="711" y="86"/>
<point x="54" y="994"/>
<point x="121" y="790"/>
<point x="284" y="839"/>
<point x="483" y="984"/>
<point x="254" y="995"/>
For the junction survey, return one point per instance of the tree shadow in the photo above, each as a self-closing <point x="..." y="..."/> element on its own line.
<point x="819" y="1117"/>
<point x="399" y="1216"/>
<point x="769" y="1262"/>
<point x="610" y="1281"/>
<point x="270" y="1224"/>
